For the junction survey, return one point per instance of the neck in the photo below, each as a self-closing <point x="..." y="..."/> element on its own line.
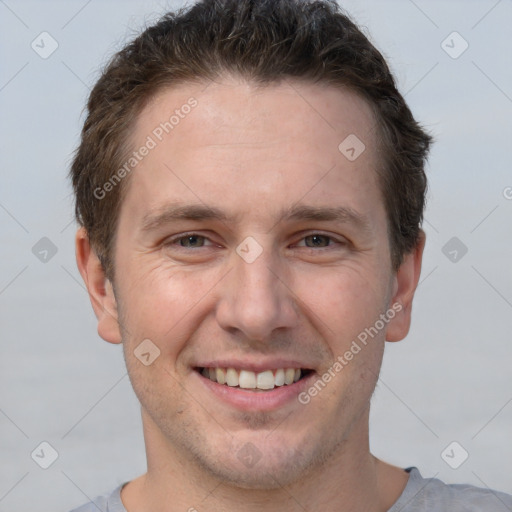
<point x="350" y="479"/>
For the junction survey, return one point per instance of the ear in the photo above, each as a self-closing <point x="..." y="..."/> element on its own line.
<point x="405" y="283"/>
<point x="99" y="288"/>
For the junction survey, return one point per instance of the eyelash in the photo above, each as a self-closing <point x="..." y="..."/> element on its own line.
<point x="184" y="236"/>
<point x="175" y="240"/>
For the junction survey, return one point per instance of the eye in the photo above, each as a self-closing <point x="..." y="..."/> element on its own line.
<point x="317" y="240"/>
<point x="191" y="241"/>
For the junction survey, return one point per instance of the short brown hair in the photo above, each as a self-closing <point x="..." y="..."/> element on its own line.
<point x="264" y="41"/>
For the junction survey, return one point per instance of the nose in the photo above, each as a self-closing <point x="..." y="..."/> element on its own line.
<point x="255" y="301"/>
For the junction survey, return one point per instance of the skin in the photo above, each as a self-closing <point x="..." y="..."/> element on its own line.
<point x="253" y="153"/>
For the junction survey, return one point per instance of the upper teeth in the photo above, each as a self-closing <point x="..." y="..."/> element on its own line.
<point x="252" y="380"/>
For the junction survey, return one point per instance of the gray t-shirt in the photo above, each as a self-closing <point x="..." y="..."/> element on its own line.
<point x="420" y="495"/>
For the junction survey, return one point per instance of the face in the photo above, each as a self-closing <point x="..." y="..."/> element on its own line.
<point x="251" y="250"/>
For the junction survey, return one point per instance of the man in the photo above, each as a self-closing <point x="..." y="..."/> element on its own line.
<point x="250" y="188"/>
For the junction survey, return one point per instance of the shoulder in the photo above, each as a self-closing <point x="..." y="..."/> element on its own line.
<point x="427" y="494"/>
<point x="110" y="502"/>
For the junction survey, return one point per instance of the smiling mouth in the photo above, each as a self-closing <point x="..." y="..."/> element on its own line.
<point x="254" y="381"/>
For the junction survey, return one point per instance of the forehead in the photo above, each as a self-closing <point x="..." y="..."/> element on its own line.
<point x="238" y="145"/>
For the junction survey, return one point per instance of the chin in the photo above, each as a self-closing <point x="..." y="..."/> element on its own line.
<point x="260" y="463"/>
<point x="264" y="475"/>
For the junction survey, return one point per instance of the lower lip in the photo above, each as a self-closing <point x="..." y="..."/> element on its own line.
<point x="248" y="400"/>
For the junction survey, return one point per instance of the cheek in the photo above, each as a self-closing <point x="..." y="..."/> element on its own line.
<point x="163" y="303"/>
<point x="344" y="301"/>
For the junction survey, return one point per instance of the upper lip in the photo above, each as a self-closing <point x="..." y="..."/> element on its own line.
<point x="255" y="366"/>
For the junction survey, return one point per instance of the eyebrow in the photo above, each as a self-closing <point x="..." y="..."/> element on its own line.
<point x="200" y="212"/>
<point x="341" y="214"/>
<point x="174" y="212"/>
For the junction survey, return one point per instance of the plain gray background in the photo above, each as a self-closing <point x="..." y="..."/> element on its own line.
<point x="449" y="381"/>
